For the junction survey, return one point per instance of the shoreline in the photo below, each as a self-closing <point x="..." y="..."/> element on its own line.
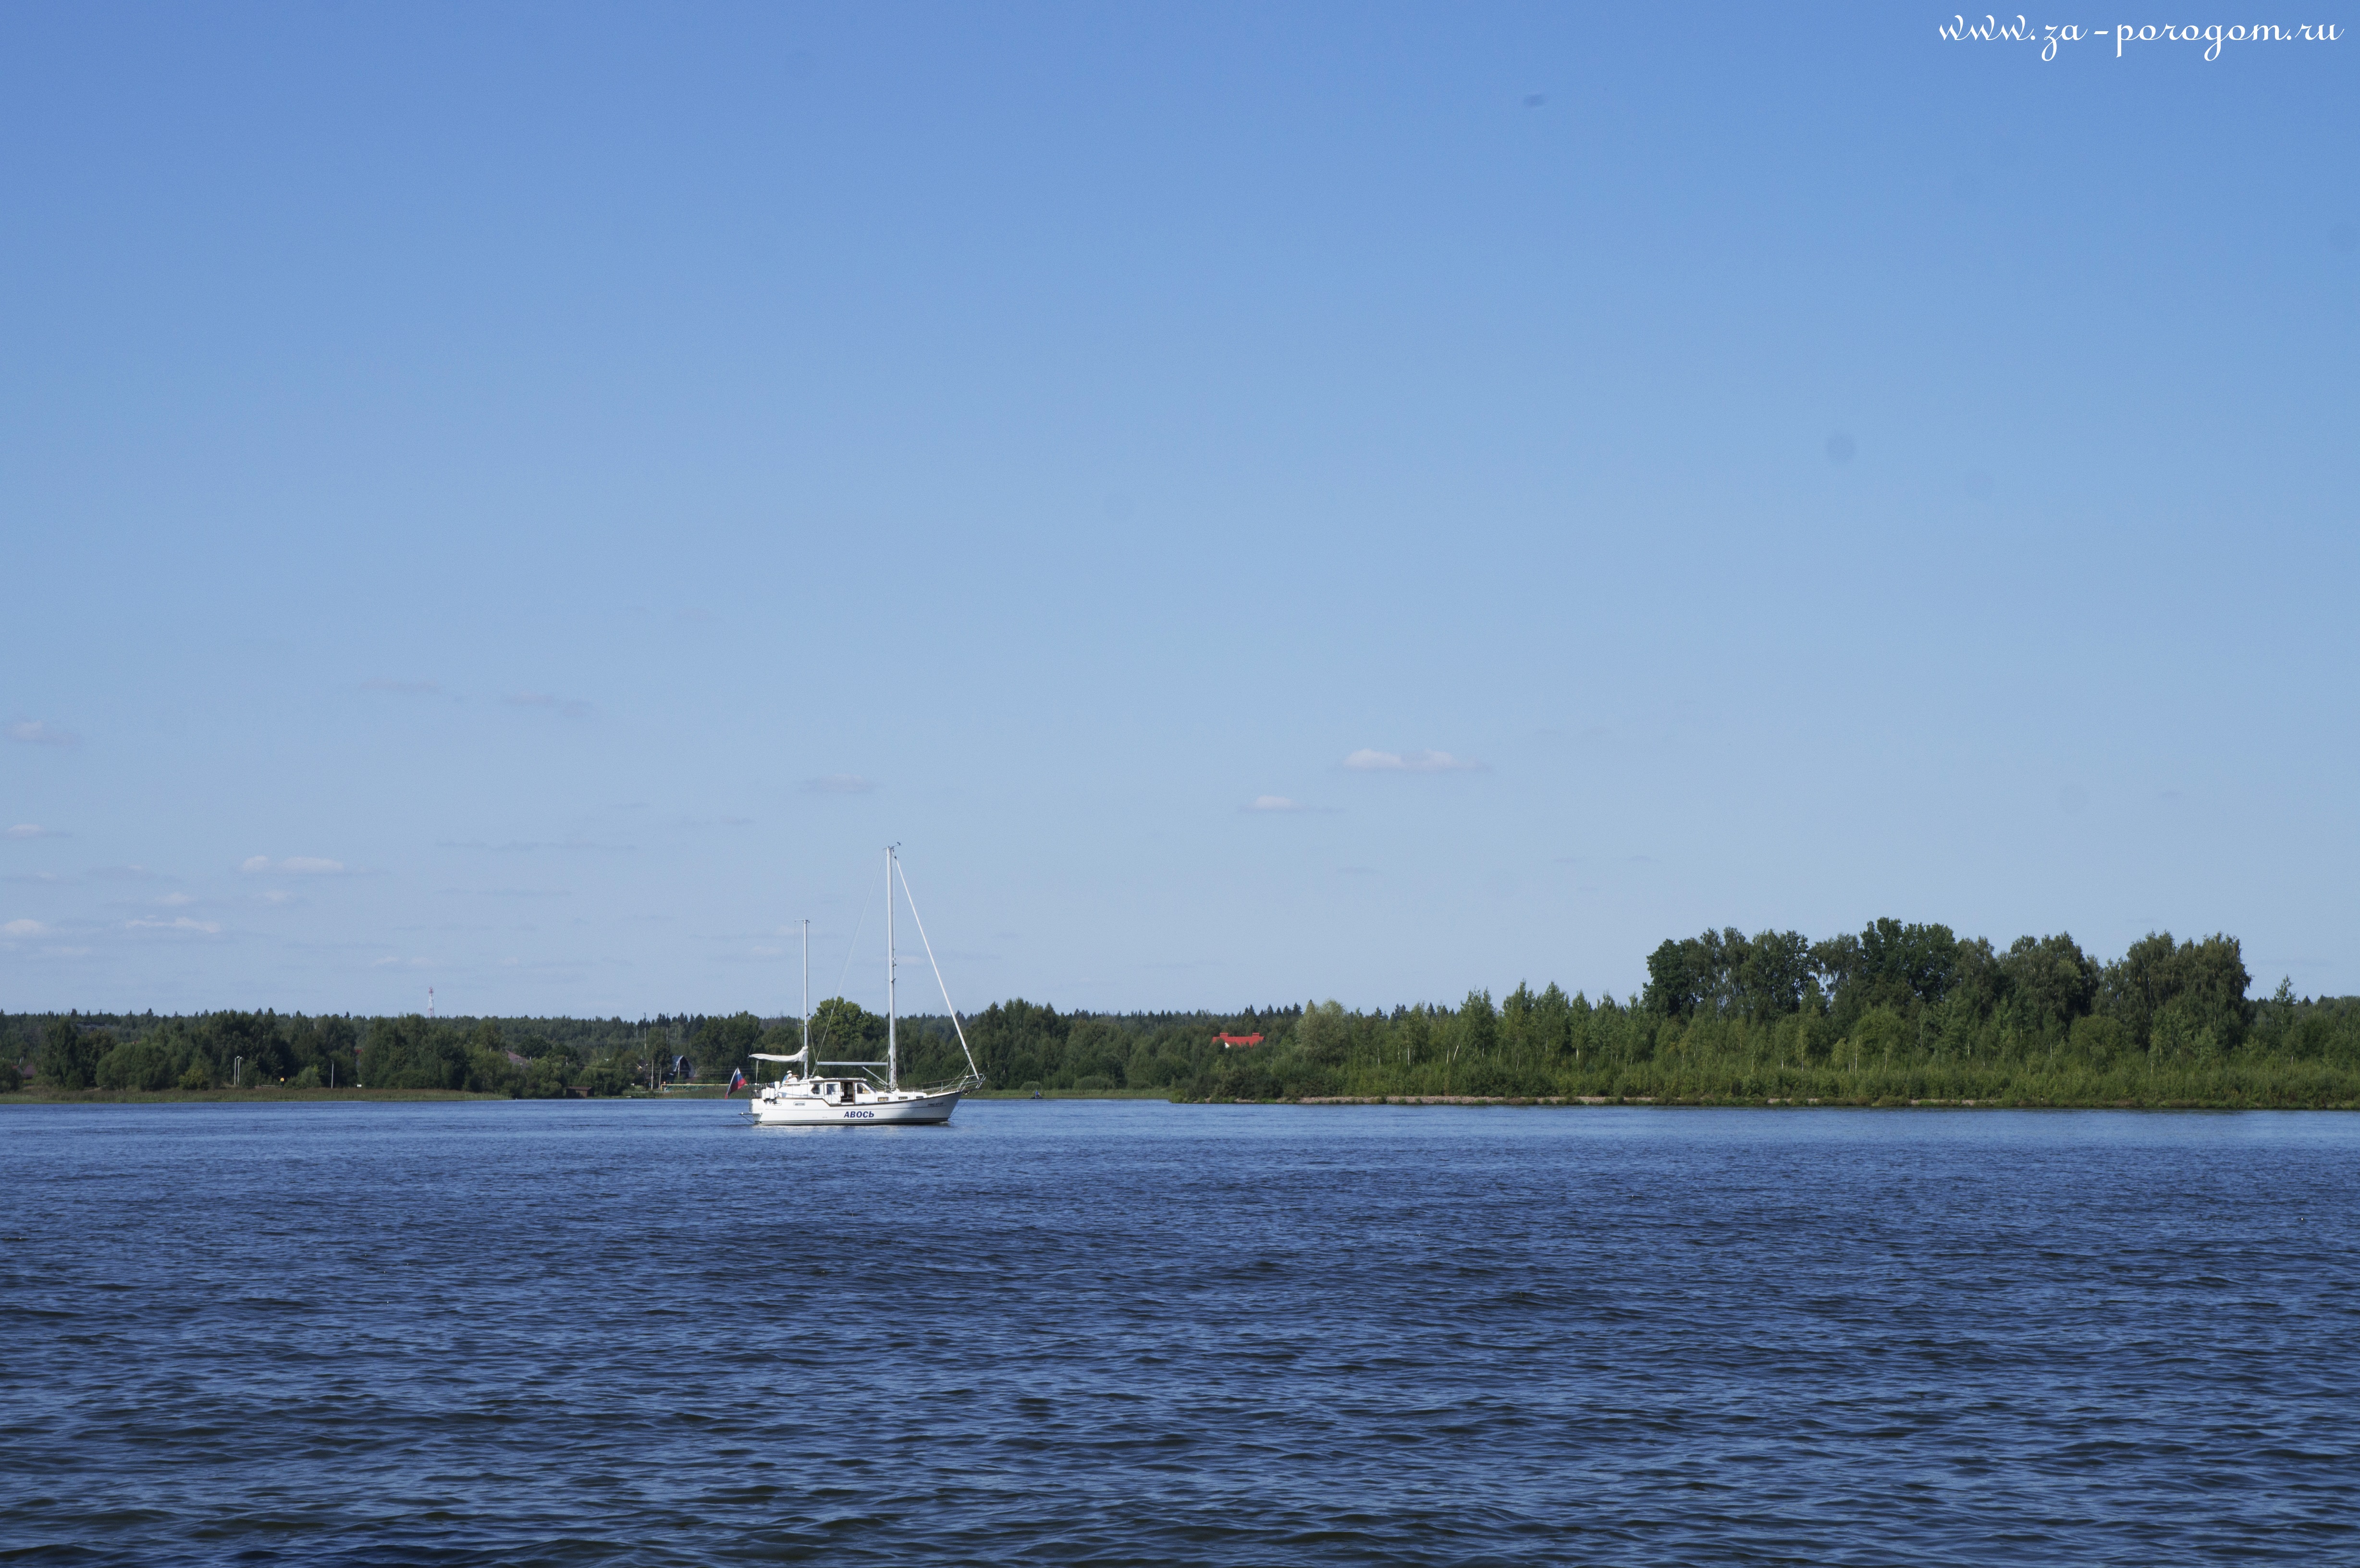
<point x="273" y="1094"/>
<point x="280" y="1096"/>
<point x="1709" y="1103"/>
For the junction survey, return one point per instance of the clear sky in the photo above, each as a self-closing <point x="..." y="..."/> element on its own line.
<point x="1262" y="502"/>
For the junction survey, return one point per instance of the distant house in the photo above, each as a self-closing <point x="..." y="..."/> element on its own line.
<point x="1226" y="1041"/>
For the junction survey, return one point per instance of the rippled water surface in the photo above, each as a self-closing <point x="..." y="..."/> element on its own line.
<point x="1138" y="1332"/>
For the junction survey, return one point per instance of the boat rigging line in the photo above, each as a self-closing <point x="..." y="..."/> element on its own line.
<point x="948" y="1005"/>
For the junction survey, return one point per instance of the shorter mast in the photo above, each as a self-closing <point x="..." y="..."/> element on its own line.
<point x="807" y="1072"/>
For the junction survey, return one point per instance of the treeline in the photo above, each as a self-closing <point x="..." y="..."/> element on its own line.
<point x="1894" y="1012"/>
<point x="528" y="1057"/>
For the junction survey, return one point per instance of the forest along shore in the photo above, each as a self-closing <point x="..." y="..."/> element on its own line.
<point x="1895" y="1014"/>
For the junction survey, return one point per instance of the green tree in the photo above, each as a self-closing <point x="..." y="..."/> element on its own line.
<point x="145" y="1064"/>
<point x="2100" y="1041"/>
<point x="1323" y="1034"/>
<point x="1676" y="981"/>
<point x="1015" y="1042"/>
<point x="1094" y="1051"/>
<point x="69" y="1054"/>
<point x="2208" y="977"/>
<point x="1475" y="1032"/>
<point x="1904" y="966"/>
<point x="722" y="1046"/>
<point x="2050" y="980"/>
<point x="412" y="1052"/>
<point x="1774" y="975"/>
<point x="1879" y="1037"/>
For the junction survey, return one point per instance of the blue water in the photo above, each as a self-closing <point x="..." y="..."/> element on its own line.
<point x="576" y="1333"/>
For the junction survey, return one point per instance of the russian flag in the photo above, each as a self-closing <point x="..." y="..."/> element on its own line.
<point x="737" y="1076"/>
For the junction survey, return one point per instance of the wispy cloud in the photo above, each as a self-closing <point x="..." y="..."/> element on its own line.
<point x="839" y="784"/>
<point x="571" y="707"/>
<point x="1273" y="803"/>
<point x="174" y="901"/>
<point x="39" y="732"/>
<point x="1368" y="761"/>
<point x="523" y="845"/>
<point x="183" y="923"/>
<point x="24" y="929"/>
<point x="34" y="830"/>
<point x="415" y="688"/>
<point x="293" y="866"/>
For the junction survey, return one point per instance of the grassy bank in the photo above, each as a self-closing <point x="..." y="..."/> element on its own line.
<point x="1071" y="1094"/>
<point x="2001" y="1102"/>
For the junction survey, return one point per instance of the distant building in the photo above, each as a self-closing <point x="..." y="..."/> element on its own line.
<point x="1227" y="1040"/>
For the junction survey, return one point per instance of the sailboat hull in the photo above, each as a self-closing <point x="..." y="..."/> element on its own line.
<point x="797" y="1110"/>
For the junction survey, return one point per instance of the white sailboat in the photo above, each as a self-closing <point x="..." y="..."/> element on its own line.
<point x="847" y="1093"/>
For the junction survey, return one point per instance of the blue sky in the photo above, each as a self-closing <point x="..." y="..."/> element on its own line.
<point x="1260" y="502"/>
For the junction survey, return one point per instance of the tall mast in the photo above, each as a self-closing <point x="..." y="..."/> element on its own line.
<point x="892" y="1067"/>
<point x="807" y="1063"/>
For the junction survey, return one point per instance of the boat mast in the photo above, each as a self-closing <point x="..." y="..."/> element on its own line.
<point x="893" y="1068"/>
<point x="807" y="1061"/>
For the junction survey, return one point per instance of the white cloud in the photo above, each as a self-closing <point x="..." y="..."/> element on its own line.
<point x="33" y="830"/>
<point x="36" y="732"/>
<point x="293" y="866"/>
<point x="25" y="928"/>
<point x="210" y="928"/>
<point x="173" y="900"/>
<point x="1367" y="761"/>
<point x="1272" y="803"/>
<point x="839" y="784"/>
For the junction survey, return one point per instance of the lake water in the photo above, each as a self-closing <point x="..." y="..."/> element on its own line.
<point x="1127" y="1332"/>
